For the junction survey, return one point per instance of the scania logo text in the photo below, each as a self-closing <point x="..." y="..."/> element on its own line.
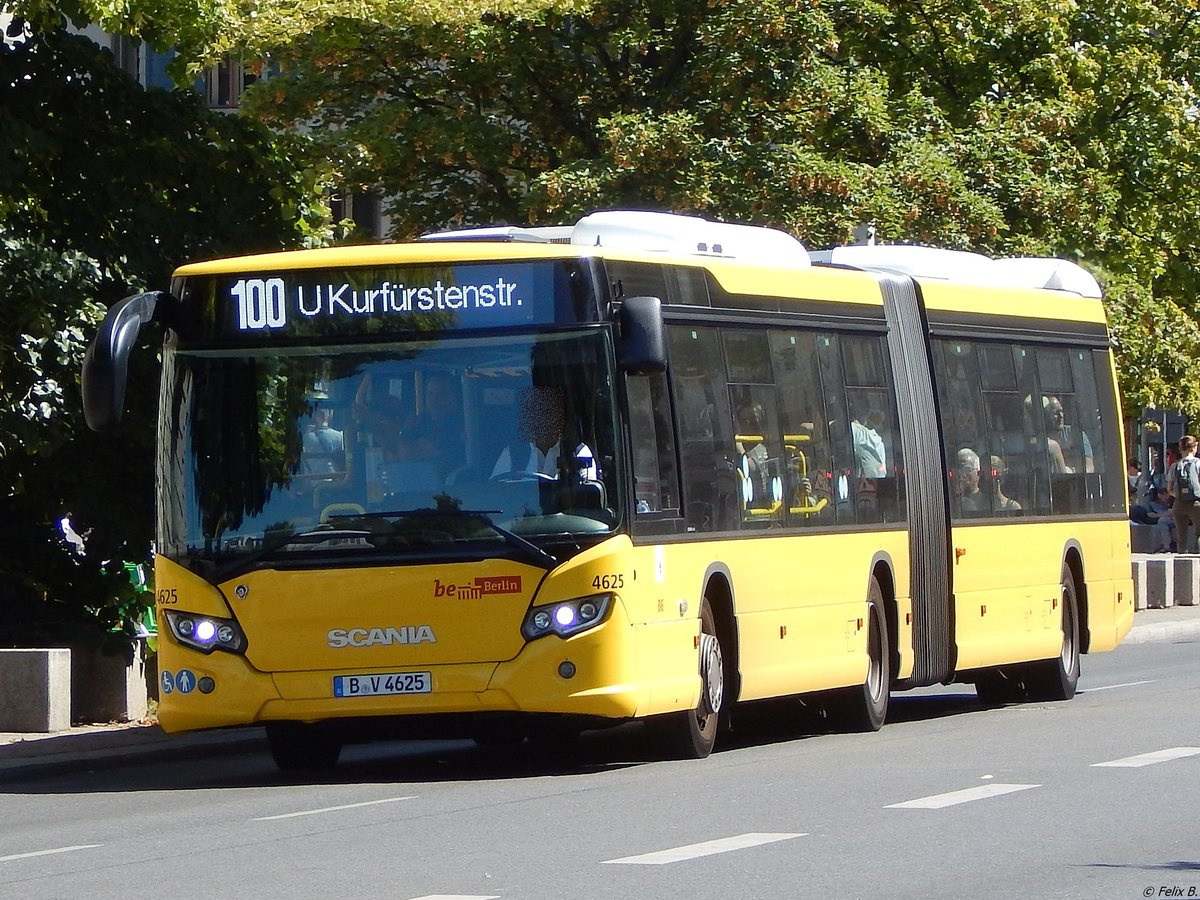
<point x="381" y="637"/>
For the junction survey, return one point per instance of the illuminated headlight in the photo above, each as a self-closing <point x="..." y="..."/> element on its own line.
<point x="206" y="633"/>
<point x="566" y="618"/>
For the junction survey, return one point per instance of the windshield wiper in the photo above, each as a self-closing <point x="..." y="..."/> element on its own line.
<point x="529" y="550"/>
<point x="317" y="536"/>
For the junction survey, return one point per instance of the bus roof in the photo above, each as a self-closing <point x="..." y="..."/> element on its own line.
<point x="733" y="253"/>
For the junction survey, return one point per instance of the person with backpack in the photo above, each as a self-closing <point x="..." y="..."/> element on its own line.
<point x="1183" y="483"/>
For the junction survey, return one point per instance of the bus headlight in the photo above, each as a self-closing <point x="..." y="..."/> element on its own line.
<point x="567" y="617"/>
<point x="206" y="633"/>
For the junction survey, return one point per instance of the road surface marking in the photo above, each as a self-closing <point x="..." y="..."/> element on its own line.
<point x="939" y="801"/>
<point x="1113" y="687"/>
<point x="48" y="852"/>
<point x="1149" y="759"/>
<point x="316" y="812"/>
<point x="707" y="848"/>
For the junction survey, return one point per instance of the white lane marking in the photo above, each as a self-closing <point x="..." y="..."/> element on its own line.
<point x="939" y="801"/>
<point x="316" y="812"/>
<point x="1149" y="759"/>
<point x="707" y="848"/>
<point x="48" y="852"/>
<point x="1113" y="687"/>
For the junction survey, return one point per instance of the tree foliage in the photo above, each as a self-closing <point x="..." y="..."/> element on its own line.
<point x="104" y="189"/>
<point x="206" y="31"/>
<point x="1059" y="127"/>
<point x="1008" y="126"/>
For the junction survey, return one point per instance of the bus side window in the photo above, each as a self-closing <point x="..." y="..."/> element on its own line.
<point x="1008" y="464"/>
<point x="1106" y="484"/>
<point x="705" y="429"/>
<point x="1068" y="444"/>
<point x="758" y="458"/>
<point x="656" y="483"/>
<point x="875" y="443"/>
<point x="756" y="453"/>
<point x="967" y="458"/>
<point x="808" y="475"/>
<point x="841" y="454"/>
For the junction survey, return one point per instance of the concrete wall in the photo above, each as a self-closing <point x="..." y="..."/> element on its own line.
<point x="108" y="688"/>
<point x="48" y="690"/>
<point x="35" y="690"/>
<point x="1166" y="579"/>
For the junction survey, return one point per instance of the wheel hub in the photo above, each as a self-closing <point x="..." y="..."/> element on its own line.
<point x="711" y="675"/>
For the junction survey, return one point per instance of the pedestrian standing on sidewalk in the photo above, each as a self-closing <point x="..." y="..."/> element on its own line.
<point x="1183" y="483"/>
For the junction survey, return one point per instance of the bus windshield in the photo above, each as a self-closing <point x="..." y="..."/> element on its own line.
<point x="447" y="448"/>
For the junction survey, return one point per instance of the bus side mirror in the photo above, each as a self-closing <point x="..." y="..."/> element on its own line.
<point x="643" y="346"/>
<point x="106" y="364"/>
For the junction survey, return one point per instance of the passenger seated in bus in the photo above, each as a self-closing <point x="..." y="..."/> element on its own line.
<point x="971" y="497"/>
<point x="1073" y="443"/>
<point x="323" y="445"/>
<point x="1051" y="420"/>
<point x="1000" y="502"/>
<point x="435" y="432"/>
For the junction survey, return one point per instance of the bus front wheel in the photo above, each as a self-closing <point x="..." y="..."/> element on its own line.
<point x="692" y="734"/>
<point x="297" y="747"/>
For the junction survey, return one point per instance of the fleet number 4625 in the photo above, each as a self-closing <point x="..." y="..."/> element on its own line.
<point x="608" y="582"/>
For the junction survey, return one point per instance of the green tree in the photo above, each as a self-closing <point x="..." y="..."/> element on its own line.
<point x="104" y="189"/>
<point x="1011" y="127"/>
<point x="204" y="32"/>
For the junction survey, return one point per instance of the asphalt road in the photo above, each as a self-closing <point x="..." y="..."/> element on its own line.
<point x="1098" y="797"/>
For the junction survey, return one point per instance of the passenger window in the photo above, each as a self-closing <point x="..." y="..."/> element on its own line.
<point x="967" y="458"/>
<point x="1007" y="465"/>
<point x="1069" y="456"/>
<point x="656" y="483"/>
<point x="758" y="460"/>
<point x="875" y="463"/>
<point x="807" y="453"/>
<point x="705" y="430"/>
<point x="1108" y="484"/>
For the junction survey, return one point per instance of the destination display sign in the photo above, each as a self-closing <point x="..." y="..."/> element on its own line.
<point x="386" y="300"/>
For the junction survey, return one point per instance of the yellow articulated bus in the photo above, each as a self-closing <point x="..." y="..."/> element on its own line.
<point x="515" y="483"/>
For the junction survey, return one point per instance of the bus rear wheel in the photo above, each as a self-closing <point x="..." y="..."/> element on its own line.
<point x="864" y="708"/>
<point x="297" y="747"/>
<point x="999" y="686"/>
<point x="1057" y="679"/>
<point x="692" y="734"/>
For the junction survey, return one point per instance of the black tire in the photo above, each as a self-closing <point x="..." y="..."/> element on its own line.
<point x="1057" y="679"/>
<point x="693" y="734"/>
<point x="497" y="740"/>
<point x="297" y="747"/>
<point x="999" y="686"/>
<point x="864" y="708"/>
<point x="553" y="734"/>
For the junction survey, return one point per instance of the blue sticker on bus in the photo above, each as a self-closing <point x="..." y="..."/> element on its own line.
<point x="185" y="680"/>
<point x="167" y="681"/>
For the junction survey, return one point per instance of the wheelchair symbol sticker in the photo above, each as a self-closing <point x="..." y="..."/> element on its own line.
<point x="168" y="682"/>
